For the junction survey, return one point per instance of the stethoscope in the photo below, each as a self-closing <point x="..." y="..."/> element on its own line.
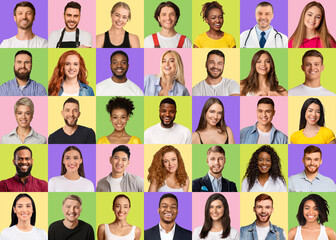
<point x="275" y="38"/>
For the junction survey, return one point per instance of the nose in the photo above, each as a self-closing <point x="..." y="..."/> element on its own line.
<point x="216" y="161"/>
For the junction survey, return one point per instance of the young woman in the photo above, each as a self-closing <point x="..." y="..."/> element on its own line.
<point x="167" y="172"/>
<point x="170" y="81"/>
<point x="313" y="212"/>
<point x="211" y="127"/>
<point x="312" y="30"/>
<point x="23" y="221"/>
<point x="120" y="229"/>
<point x="262" y="80"/>
<point x="117" y="37"/>
<point x="72" y="177"/>
<point x="263" y="173"/>
<point x="120" y="110"/>
<point x="216" y="221"/>
<point x="212" y="13"/>
<point x="311" y="129"/>
<point x="24" y="133"/>
<point x="70" y="76"/>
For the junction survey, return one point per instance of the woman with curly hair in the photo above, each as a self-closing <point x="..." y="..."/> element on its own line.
<point x="262" y="79"/>
<point x="312" y="30"/>
<point x="263" y="173"/>
<point x="167" y="172"/>
<point x="211" y="127"/>
<point x="312" y="214"/>
<point x="216" y="221"/>
<point x="212" y="13"/>
<point x="70" y="76"/>
<point x="311" y="129"/>
<point x="120" y="110"/>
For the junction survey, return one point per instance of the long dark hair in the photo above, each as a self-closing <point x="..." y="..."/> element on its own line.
<point x="304" y="108"/>
<point x="81" y="166"/>
<point x="15" y="219"/>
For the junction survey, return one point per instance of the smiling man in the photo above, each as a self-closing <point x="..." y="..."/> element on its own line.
<point x="263" y="132"/>
<point x="71" y="228"/>
<point x="119" y="180"/>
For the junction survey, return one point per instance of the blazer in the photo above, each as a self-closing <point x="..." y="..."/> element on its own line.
<point x="180" y="233"/>
<point x="203" y="184"/>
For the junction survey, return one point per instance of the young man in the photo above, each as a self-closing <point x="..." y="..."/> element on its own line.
<point x="312" y="66"/>
<point x="215" y="84"/>
<point x="214" y="181"/>
<point x="119" y="180"/>
<point x="263" y="35"/>
<point x="24" y="16"/>
<point x="70" y="36"/>
<point x="310" y="180"/>
<point x="262" y="228"/>
<point x="167" y="132"/>
<point x="263" y="132"/>
<point x="118" y="84"/>
<point x="167" y="15"/>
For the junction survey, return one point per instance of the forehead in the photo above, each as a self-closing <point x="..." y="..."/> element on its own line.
<point x="312" y="59"/>
<point x="167" y="106"/>
<point x="168" y="201"/>
<point x="169" y="155"/>
<point x="215" y="154"/>
<point x="265" y="106"/>
<point x="310" y="203"/>
<point x="216" y="202"/>
<point x="314" y="106"/>
<point x="72" y="58"/>
<point x="23" y="108"/>
<point x="168" y="56"/>
<point x="23" y="153"/>
<point x="313" y="155"/>
<point x="215" y="58"/>
<point x="315" y="10"/>
<point x="264" y="155"/>
<point x="22" y="57"/>
<point x="71" y="106"/>
<point x="72" y="152"/>
<point x="70" y="202"/>
<point x="216" y="106"/>
<point x="120" y="154"/>
<point x="72" y="11"/>
<point x="24" y="9"/>
<point x="119" y="57"/>
<point x="121" y="200"/>
<point x="266" y="202"/>
<point x="24" y="200"/>
<point x="215" y="11"/>
<point x="265" y="9"/>
<point x="167" y="10"/>
<point x="122" y="11"/>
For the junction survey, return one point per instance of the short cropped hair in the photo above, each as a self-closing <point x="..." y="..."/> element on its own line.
<point x="71" y="100"/>
<point x="72" y="4"/>
<point x="167" y="4"/>
<point x="23" y="52"/>
<point x="72" y="197"/>
<point x="216" y="52"/>
<point x="312" y="149"/>
<point x="169" y="101"/>
<point x="22" y="148"/>
<point x="24" y="4"/>
<point x="122" y="148"/>
<point x="25" y="102"/>
<point x="118" y="52"/>
<point x="312" y="53"/>
<point x="262" y="197"/>
<point x="216" y="148"/>
<point x="265" y="4"/>
<point x="266" y="100"/>
<point x="168" y="195"/>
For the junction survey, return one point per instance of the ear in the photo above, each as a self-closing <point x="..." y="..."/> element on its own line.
<point x="254" y="209"/>
<point x="14" y="209"/>
<point x="302" y="67"/>
<point x="14" y="162"/>
<point x="322" y="67"/>
<point x="111" y="160"/>
<point x="79" y="113"/>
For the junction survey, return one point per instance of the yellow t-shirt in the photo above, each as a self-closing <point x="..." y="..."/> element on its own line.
<point x="203" y="41"/>
<point x="133" y="140"/>
<point x="324" y="136"/>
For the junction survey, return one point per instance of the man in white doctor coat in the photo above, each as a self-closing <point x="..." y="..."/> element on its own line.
<point x="263" y="35"/>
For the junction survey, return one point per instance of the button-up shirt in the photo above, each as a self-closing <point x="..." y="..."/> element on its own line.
<point x="32" y="88"/>
<point x="32" y="138"/>
<point x="300" y="183"/>
<point x="167" y="236"/>
<point x="259" y="31"/>
<point x="31" y="184"/>
<point x="216" y="183"/>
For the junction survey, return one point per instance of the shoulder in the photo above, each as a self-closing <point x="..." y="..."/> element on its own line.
<point x="55" y="33"/>
<point x="228" y="36"/>
<point x="326" y="130"/>
<point x="133" y="37"/>
<point x="85" y="225"/>
<point x="134" y="140"/>
<point x="330" y="232"/>
<point x="41" y="41"/>
<point x="103" y="140"/>
<point x="246" y="129"/>
<point x="100" y="38"/>
<point x="101" y="227"/>
<point x="152" y="229"/>
<point x="244" y="33"/>
<point x="181" y="128"/>
<point x="56" y="224"/>
<point x="184" y="231"/>
<point x="292" y="233"/>
<point x="85" y="33"/>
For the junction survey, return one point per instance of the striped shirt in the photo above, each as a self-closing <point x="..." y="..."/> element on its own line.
<point x="32" y="88"/>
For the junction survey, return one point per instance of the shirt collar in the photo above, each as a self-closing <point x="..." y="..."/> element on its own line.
<point x="157" y="83"/>
<point x="17" y="84"/>
<point x="32" y="132"/>
<point x="266" y="31"/>
<point x="303" y="175"/>
<point x="254" y="129"/>
<point x="17" y="178"/>
<point x="164" y="231"/>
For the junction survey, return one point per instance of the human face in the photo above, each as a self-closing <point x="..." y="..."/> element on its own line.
<point x="214" y="114"/>
<point x="312" y="67"/>
<point x="312" y="18"/>
<point x="263" y="210"/>
<point x="24" y="18"/>
<point x="310" y="211"/>
<point x="265" y="114"/>
<point x="119" y="162"/>
<point x="264" y="162"/>
<point x="72" y="160"/>
<point x="71" y="19"/>
<point x="119" y="66"/>
<point x="216" y="210"/>
<point x="120" y="17"/>
<point x="23" y="163"/>
<point x="312" y="162"/>
<point x="216" y="162"/>
<point x="23" y="116"/>
<point x="170" y="162"/>
<point x="71" y="67"/>
<point x="313" y="114"/>
<point x="263" y="65"/>
<point x="215" y="19"/>
<point x="23" y="209"/>
<point x="71" y="114"/>
<point x="168" y="210"/>
<point x="22" y="66"/>
<point x="167" y="115"/>
<point x="71" y="210"/>
<point x="167" y="18"/>
<point x="168" y="66"/>
<point x="121" y="208"/>
<point x="215" y="66"/>
<point x="119" y="119"/>
<point x="264" y="16"/>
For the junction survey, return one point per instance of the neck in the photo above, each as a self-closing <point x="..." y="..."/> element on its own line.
<point x="262" y="79"/>
<point x="264" y="29"/>
<point x="25" y="34"/>
<point x="71" y="81"/>
<point x="70" y="225"/>
<point x="262" y="224"/>
<point x="121" y="223"/>
<point x="116" y="30"/>
<point x="21" y="82"/>
<point x="217" y="224"/>
<point x="311" y="176"/>
<point x="213" y="81"/>
<point x="24" y="226"/>
<point x="119" y="80"/>
<point x="70" y="130"/>
<point x="166" y="80"/>
<point x="23" y="131"/>
<point x="167" y="226"/>
<point x="72" y="175"/>
<point x="263" y="176"/>
<point x="311" y="33"/>
<point x="215" y="33"/>
<point x="23" y="179"/>
<point x="217" y="176"/>
<point x="312" y="225"/>
<point x="264" y="128"/>
<point x="70" y="30"/>
<point x="117" y="175"/>
<point x="119" y="134"/>
<point x="313" y="83"/>
<point x="168" y="32"/>
<point x="310" y="127"/>
<point x="169" y="126"/>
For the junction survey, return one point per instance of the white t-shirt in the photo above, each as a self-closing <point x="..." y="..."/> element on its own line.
<point x="114" y="183"/>
<point x="166" y="42"/>
<point x="62" y="184"/>
<point x="269" y="186"/>
<point x="264" y="137"/>
<point x="225" y="88"/>
<point x="234" y="235"/>
<point x="262" y="232"/>
<point x="35" y="42"/>
<point x="177" y="134"/>
<point x="84" y="38"/>
<point x="303" y="90"/>
<point x="110" y="88"/>
<point x="13" y="233"/>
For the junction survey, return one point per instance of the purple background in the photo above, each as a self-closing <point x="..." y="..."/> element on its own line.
<point x="231" y="113"/>
<point x="152" y="216"/>
<point x="55" y="152"/>
<point x="135" y="71"/>
<point x="280" y="15"/>
<point x="9" y="28"/>
<point x="295" y="155"/>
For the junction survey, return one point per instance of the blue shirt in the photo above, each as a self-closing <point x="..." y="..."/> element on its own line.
<point x="267" y="32"/>
<point x="300" y="183"/>
<point x="250" y="232"/>
<point x="32" y="88"/>
<point x="153" y="87"/>
<point x="215" y="183"/>
<point x="84" y="90"/>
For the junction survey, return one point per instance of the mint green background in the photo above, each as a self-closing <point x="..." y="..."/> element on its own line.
<point x="231" y="168"/>
<point x="280" y="58"/>
<point x="231" y="23"/>
<point x="183" y="25"/>
<point x="134" y="125"/>
<point x="39" y="72"/>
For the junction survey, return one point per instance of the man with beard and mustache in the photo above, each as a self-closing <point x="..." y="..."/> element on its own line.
<point x="24" y="16"/>
<point x="23" y="181"/>
<point x="310" y="180"/>
<point x="214" y="181"/>
<point x="215" y="84"/>
<point x="262" y="228"/>
<point x="118" y="84"/>
<point x="72" y="133"/>
<point x="22" y="85"/>
<point x="70" y="36"/>
<point x="167" y="132"/>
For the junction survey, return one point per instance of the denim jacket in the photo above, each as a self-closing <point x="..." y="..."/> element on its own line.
<point x="84" y="90"/>
<point x="250" y="232"/>
<point x="249" y="135"/>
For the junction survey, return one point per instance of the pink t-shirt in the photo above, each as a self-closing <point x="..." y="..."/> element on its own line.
<point x="310" y="43"/>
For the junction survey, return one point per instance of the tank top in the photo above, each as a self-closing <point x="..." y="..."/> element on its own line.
<point x="323" y="234"/>
<point x="110" y="236"/>
<point x="226" y="142"/>
<point x="165" y="188"/>
<point x="124" y="44"/>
